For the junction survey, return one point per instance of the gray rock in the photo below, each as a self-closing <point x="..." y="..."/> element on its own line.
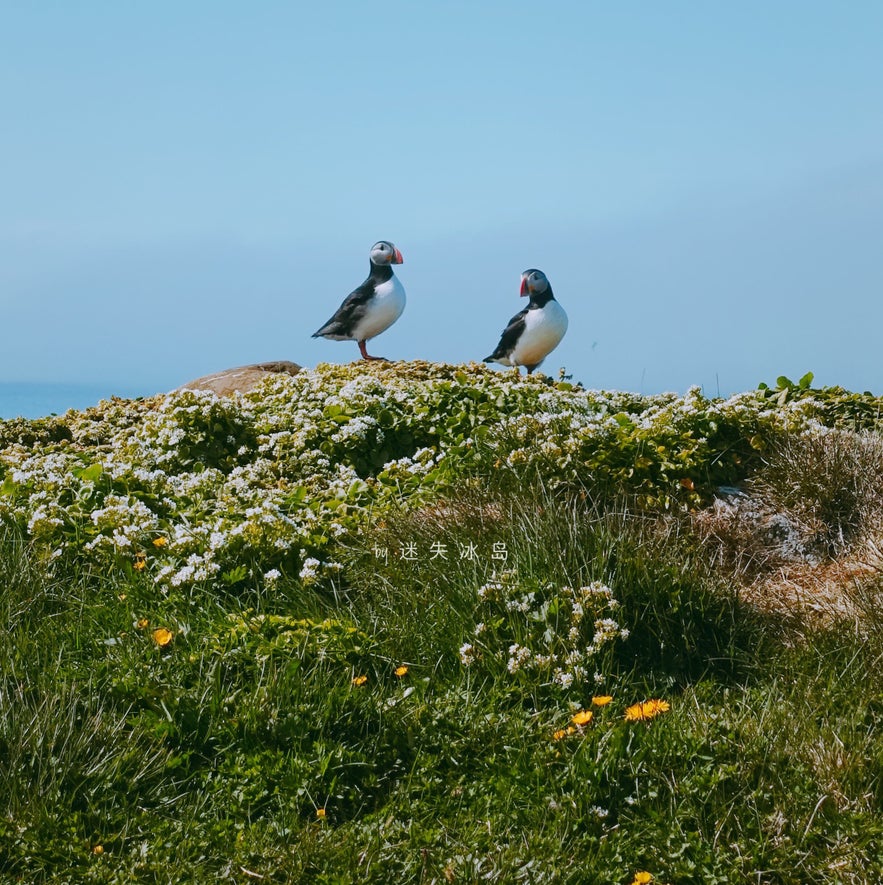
<point x="241" y="379"/>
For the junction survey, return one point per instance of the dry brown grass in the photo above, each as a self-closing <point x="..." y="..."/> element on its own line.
<point x="804" y="539"/>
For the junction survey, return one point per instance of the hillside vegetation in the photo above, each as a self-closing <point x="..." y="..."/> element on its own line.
<point x="427" y="623"/>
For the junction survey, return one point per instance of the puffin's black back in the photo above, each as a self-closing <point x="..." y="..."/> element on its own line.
<point x="355" y="304"/>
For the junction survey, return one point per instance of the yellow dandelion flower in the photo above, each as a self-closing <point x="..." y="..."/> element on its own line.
<point x="97" y="849"/>
<point x="634" y="713"/>
<point x="400" y="671"/>
<point x="142" y="623"/>
<point x="583" y="717"/>
<point x="320" y="813"/>
<point x="558" y="735"/>
<point x="602" y="700"/>
<point x="160" y="542"/>
<point x="359" y="680"/>
<point x="642" y="878"/>
<point x="162" y="637"/>
<point x="646" y="710"/>
<point x="140" y="561"/>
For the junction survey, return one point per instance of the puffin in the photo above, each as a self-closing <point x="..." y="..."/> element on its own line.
<point x="371" y="308"/>
<point x="533" y="333"/>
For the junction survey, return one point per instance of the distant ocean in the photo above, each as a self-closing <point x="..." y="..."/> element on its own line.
<point x="38" y="400"/>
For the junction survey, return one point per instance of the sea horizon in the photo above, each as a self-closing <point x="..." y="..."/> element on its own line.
<point x="38" y="399"/>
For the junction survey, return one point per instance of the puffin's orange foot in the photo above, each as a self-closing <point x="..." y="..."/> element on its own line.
<point x="367" y="356"/>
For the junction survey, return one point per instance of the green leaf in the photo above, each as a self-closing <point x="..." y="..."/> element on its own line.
<point x="806" y="381"/>
<point x="297" y="495"/>
<point x="90" y="473"/>
<point x="235" y="575"/>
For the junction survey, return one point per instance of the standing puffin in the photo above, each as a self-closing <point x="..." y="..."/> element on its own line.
<point x="373" y="307"/>
<point x="533" y="333"/>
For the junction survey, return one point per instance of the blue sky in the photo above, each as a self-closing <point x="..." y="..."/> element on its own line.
<point x="187" y="187"/>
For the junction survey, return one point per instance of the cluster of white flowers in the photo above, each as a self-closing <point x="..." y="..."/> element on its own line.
<point x="494" y="589"/>
<point x="519" y="655"/>
<point x="51" y="469"/>
<point x="359" y="429"/>
<point x="123" y="522"/>
<point x="468" y="654"/>
<point x="44" y="520"/>
<point x="207" y="518"/>
<point x="544" y="631"/>
<point x="418" y="464"/>
<point x="196" y="568"/>
<point x="568" y="427"/>
<point x="268" y="480"/>
<point x="310" y="570"/>
<point x="521" y="604"/>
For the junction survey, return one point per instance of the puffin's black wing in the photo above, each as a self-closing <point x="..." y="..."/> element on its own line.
<point x="510" y="336"/>
<point x="349" y="313"/>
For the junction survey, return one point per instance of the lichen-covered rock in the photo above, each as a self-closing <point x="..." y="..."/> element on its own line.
<point x="241" y="379"/>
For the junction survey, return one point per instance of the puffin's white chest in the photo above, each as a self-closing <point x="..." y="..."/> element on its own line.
<point x="384" y="309"/>
<point x="543" y="330"/>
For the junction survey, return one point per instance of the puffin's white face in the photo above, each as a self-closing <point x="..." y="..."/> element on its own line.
<point x="385" y="253"/>
<point x="533" y="281"/>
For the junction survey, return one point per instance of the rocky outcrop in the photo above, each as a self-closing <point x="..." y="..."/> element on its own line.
<point x="241" y="379"/>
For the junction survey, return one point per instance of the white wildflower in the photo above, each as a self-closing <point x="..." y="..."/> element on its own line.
<point x="309" y="570"/>
<point x="519" y="656"/>
<point x="468" y="654"/>
<point x="563" y="678"/>
<point x="490" y="590"/>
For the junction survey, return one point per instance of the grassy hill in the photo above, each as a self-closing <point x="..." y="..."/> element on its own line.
<point x="427" y="623"/>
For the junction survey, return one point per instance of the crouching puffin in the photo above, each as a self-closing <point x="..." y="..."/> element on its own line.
<point x="373" y="307"/>
<point x="533" y="333"/>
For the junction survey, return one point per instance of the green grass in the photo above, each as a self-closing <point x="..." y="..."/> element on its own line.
<point x="555" y="560"/>
<point x="208" y="760"/>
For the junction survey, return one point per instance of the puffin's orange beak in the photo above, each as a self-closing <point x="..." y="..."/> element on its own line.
<point x="398" y="259"/>
<point x="524" y="291"/>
